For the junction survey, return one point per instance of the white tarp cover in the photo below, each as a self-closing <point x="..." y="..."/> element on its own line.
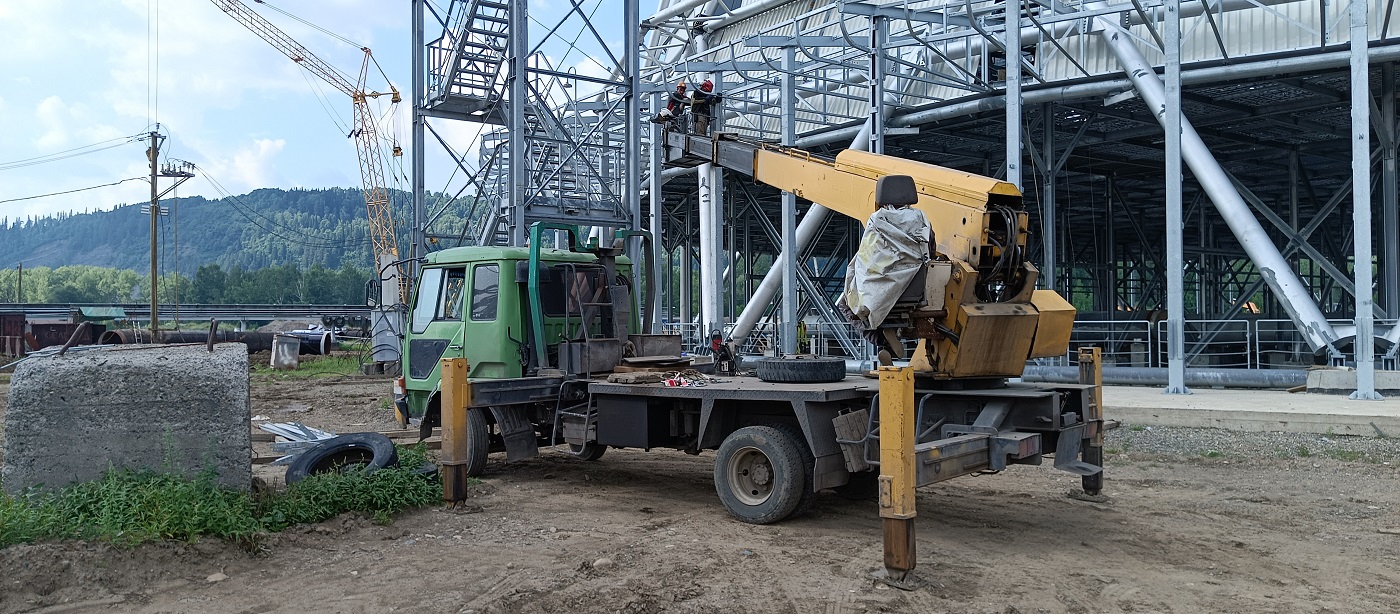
<point x="894" y="246"/>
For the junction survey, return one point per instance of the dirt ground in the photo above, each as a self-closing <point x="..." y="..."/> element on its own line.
<point x="644" y="532"/>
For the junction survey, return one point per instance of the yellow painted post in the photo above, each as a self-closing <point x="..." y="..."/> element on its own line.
<point x="1091" y="372"/>
<point x="898" y="474"/>
<point x="455" y="399"/>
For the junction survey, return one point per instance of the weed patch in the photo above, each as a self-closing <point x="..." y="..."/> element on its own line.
<point x="128" y="507"/>
<point x="333" y="365"/>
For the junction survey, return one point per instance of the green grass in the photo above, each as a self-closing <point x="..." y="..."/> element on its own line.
<point x="1304" y="452"/>
<point x="1138" y="429"/>
<point x="333" y="365"/>
<point x="127" y="507"/>
<point x="1212" y="454"/>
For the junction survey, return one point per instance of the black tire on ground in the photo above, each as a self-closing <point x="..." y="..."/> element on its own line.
<point x="864" y="486"/>
<point x="366" y="451"/>
<point x="478" y="442"/>
<point x="590" y="451"/>
<point x="802" y="370"/>
<point x="809" y="492"/>
<point x="761" y="474"/>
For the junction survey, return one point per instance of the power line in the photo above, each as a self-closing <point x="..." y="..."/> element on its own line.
<point x="105" y="185"/>
<point x="67" y="153"/>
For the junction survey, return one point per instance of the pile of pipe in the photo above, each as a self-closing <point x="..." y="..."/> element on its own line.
<point x="317" y="342"/>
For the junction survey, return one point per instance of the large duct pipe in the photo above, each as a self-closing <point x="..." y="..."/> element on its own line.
<point x="1275" y="270"/>
<point x="312" y="342"/>
<point x="1157" y="376"/>
<point x="1033" y="95"/>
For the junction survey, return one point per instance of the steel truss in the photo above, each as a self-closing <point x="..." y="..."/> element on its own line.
<point x="1264" y="83"/>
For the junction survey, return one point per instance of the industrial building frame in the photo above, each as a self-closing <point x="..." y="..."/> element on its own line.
<point x="1247" y="261"/>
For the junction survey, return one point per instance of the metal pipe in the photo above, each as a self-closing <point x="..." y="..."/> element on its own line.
<point x="788" y="334"/>
<point x="1288" y="289"/>
<point x="1308" y="62"/>
<point x="312" y="342"/>
<point x="711" y="282"/>
<point x="1157" y="376"/>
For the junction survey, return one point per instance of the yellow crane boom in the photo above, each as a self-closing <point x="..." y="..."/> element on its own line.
<point x="381" y="220"/>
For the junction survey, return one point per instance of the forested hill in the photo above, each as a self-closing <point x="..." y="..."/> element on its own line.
<point x="267" y="227"/>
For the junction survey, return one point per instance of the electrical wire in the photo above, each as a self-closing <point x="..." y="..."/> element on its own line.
<point x="105" y="185"/>
<point x="68" y="153"/>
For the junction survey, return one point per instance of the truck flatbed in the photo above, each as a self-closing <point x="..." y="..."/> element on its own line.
<point x="747" y="387"/>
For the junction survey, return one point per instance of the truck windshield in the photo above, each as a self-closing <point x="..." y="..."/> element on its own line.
<point x="425" y="303"/>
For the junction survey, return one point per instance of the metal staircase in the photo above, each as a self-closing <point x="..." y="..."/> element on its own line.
<point x="466" y="65"/>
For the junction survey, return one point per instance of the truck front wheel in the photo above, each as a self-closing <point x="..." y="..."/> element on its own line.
<point x="760" y="475"/>
<point x="590" y="451"/>
<point x="478" y="442"/>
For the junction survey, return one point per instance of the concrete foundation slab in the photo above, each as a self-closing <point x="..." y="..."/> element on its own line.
<point x="1253" y="410"/>
<point x="1343" y="381"/>
<point x="163" y="408"/>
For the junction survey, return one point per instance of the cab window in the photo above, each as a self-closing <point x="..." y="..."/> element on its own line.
<point x="486" y="282"/>
<point x="427" y="299"/>
<point x="454" y="289"/>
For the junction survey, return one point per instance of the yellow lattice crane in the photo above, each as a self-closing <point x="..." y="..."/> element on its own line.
<point x="381" y="221"/>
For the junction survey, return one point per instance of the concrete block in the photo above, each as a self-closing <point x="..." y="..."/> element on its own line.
<point x="171" y="409"/>
<point x="1343" y="381"/>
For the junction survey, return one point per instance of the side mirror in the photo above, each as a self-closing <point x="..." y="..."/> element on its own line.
<point x="373" y="288"/>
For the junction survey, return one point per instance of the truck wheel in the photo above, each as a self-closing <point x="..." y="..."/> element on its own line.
<point x="760" y="475"/>
<point x="478" y="442"/>
<point x="805" y="370"/>
<point x="590" y="451"/>
<point x="809" y="493"/>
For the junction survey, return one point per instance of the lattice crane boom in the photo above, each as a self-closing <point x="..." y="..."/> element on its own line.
<point x="371" y="160"/>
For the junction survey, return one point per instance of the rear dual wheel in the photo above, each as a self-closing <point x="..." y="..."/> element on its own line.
<point x="763" y="474"/>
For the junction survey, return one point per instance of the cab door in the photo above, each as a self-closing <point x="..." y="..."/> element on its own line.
<point x="491" y="343"/>
<point x="435" y="326"/>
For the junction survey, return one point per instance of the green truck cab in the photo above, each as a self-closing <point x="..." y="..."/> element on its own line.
<point x="476" y="303"/>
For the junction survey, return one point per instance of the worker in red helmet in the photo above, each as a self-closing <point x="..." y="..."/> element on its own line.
<point x="702" y="104"/>
<point x="675" y="106"/>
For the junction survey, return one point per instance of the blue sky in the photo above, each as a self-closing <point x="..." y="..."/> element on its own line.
<point x="75" y="73"/>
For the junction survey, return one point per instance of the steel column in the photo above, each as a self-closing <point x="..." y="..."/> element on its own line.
<point x="788" y="335"/>
<point x="519" y="73"/>
<point x="632" y="161"/>
<point x="1364" y="345"/>
<point x="656" y="205"/>
<point x="879" y="32"/>
<point x="417" y="248"/>
<point x="1013" y="92"/>
<point x="1287" y="288"/>
<point x="1390" y="199"/>
<point x="1047" y="197"/>
<point x="1176" y="308"/>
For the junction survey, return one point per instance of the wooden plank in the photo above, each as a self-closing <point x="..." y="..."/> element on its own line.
<point x="852" y="427"/>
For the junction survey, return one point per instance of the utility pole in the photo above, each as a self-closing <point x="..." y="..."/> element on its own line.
<point x="154" y="154"/>
<point x="19" y="285"/>
<point x="182" y="172"/>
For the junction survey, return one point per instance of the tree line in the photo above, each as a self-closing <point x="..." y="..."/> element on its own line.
<point x="211" y="284"/>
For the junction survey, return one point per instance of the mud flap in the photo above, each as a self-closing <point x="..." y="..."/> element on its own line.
<point x="517" y="432"/>
<point x="1067" y="449"/>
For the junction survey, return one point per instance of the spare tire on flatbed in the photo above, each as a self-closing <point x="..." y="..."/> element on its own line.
<point x="802" y="370"/>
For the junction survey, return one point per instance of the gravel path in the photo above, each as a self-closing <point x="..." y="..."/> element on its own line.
<point x="1137" y="440"/>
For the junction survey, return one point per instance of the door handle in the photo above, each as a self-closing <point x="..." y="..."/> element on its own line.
<point x="454" y="347"/>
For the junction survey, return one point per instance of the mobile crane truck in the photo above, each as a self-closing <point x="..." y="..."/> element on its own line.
<point x="508" y="349"/>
